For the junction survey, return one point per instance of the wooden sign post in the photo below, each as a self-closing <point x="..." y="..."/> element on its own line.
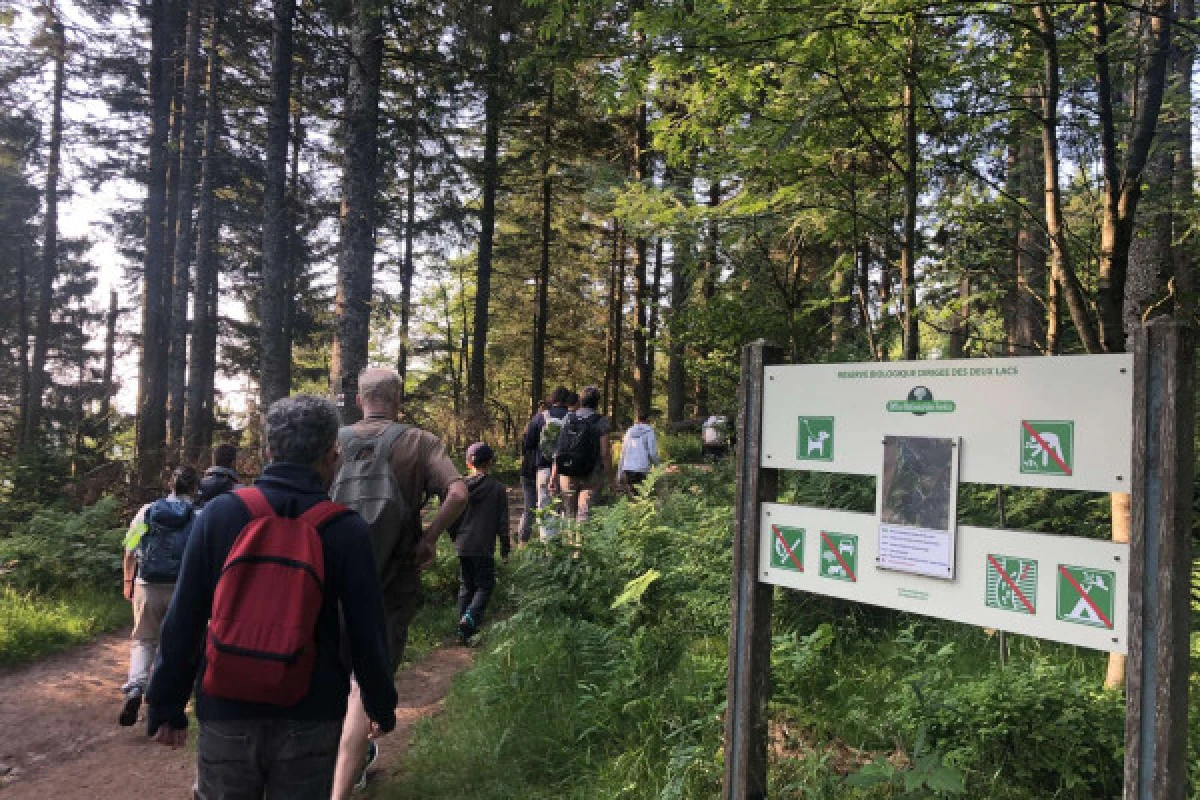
<point x="1156" y="699"/>
<point x="1135" y="598"/>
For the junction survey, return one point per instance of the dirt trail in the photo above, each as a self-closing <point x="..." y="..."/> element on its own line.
<point x="59" y="736"/>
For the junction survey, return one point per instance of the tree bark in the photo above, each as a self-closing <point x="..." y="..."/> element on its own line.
<point x="275" y="353"/>
<point x="618" y="328"/>
<point x="48" y="269"/>
<point x="107" y="388"/>
<point x="152" y="385"/>
<point x="198" y="422"/>
<point x="356" y="264"/>
<point x="1123" y="185"/>
<point x="610" y="327"/>
<point x="177" y="368"/>
<point x="492" y="109"/>
<point x="1029" y="310"/>
<point x="908" y="245"/>
<point x="537" y="383"/>
<point x="1061" y="270"/>
<point x="710" y="273"/>
<point x="410" y="232"/>
<point x="22" y="345"/>
<point x="956" y="347"/>
<point x="642" y="385"/>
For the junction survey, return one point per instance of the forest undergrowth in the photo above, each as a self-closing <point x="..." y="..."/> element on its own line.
<point x="607" y="677"/>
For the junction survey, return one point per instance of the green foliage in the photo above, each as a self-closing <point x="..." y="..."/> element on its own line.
<point x="63" y="550"/>
<point x="680" y="448"/>
<point x="32" y="626"/>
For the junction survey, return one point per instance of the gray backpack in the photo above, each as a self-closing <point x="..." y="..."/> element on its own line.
<point x="367" y="484"/>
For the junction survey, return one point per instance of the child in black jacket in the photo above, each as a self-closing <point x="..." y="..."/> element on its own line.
<point x="475" y="535"/>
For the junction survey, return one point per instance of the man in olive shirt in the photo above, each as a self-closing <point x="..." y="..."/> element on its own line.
<point x="422" y="469"/>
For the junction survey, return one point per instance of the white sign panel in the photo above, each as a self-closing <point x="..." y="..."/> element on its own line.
<point x="1064" y="588"/>
<point x="1061" y="422"/>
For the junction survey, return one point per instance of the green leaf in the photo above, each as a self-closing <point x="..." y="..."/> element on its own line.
<point x="636" y="588"/>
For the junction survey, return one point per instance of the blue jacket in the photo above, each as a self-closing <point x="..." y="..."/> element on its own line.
<point x="351" y="582"/>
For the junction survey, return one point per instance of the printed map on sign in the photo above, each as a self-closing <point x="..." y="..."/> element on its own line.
<point x="1086" y="596"/>
<point x="814" y="439"/>
<point x="1012" y="584"/>
<point x="1047" y="447"/>
<point x="788" y="549"/>
<point x="839" y="556"/>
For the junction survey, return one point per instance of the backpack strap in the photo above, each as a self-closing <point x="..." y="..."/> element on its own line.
<point x="322" y="513"/>
<point x="351" y="444"/>
<point x="255" y="502"/>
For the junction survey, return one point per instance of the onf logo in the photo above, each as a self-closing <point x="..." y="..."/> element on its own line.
<point x="920" y="402"/>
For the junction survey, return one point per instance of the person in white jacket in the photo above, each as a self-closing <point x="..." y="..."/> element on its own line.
<point x="639" y="453"/>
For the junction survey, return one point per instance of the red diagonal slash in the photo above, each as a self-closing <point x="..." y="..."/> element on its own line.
<point x="1067" y="574"/>
<point x="783" y="542"/>
<point x="1049" y="451"/>
<point x="1011" y="583"/>
<point x="841" y="560"/>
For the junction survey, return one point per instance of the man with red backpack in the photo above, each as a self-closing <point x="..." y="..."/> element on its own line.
<point x="389" y="471"/>
<point x="254" y="625"/>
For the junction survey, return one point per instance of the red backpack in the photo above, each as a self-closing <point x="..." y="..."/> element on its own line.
<point x="262" y="636"/>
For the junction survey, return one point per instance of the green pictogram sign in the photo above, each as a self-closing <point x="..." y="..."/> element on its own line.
<point x="839" y="557"/>
<point x="814" y="441"/>
<point x="1047" y="447"/>
<point x="1012" y="584"/>
<point x="788" y="549"/>
<point x="1086" y="596"/>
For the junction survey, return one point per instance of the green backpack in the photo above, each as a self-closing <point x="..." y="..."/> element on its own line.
<point x="367" y="484"/>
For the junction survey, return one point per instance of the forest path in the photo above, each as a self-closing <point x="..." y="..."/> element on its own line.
<point x="59" y="735"/>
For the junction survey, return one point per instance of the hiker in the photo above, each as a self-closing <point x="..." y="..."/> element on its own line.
<point x="221" y="477"/>
<point x="714" y="437"/>
<point x="639" y="452"/>
<point x="154" y="549"/>
<point x="411" y="466"/>
<point x="273" y="679"/>
<point x="475" y="535"/>
<point x="572" y="401"/>
<point x="582" y="457"/>
<point x="537" y="447"/>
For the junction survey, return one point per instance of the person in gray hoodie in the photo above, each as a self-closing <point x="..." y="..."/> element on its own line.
<point x="639" y="453"/>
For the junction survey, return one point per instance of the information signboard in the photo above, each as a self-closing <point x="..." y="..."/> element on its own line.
<point x="1063" y="588"/>
<point x="918" y="494"/>
<point x="1045" y="422"/>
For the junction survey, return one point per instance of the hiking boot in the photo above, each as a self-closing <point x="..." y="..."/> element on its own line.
<point x="372" y="756"/>
<point x="466" y="627"/>
<point x="129" y="711"/>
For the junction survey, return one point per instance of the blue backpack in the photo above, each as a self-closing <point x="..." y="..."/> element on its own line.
<point x="160" y="552"/>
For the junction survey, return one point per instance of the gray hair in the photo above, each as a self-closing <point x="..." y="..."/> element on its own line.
<point x="379" y="385"/>
<point x="301" y="429"/>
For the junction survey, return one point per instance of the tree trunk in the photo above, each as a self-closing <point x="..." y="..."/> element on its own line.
<point x="1123" y="185"/>
<point x="492" y="106"/>
<point x="22" y="345"/>
<point x="1029" y="310"/>
<point x="177" y="369"/>
<point x="537" y="383"/>
<point x="110" y="354"/>
<point x="295" y="240"/>
<point x="618" y="329"/>
<point x="908" y="245"/>
<point x="203" y="364"/>
<point x="152" y="385"/>
<point x="1061" y="270"/>
<point x="710" y="272"/>
<point x="642" y="386"/>
<point x="356" y="264"/>
<point x="610" y="328"/>
<point x="48" y="271"/>
<point x="653" y="312"/>
<point x="275" y="371"/>
<point x="410" y="232"/>
<point x="956" y="347"/>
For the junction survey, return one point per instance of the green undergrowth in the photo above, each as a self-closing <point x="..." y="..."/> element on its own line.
<point x="608" y="680"/>
<point x="33" y="625"/>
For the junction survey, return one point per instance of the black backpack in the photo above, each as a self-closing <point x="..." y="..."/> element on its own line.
<point x="160" y="551"/>
<point x="214" y="484"/>
<point x="578" y="446"/>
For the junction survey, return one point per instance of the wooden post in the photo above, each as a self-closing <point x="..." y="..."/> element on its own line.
<point x="749" y="686"/>
<point x="1156" y="704"/>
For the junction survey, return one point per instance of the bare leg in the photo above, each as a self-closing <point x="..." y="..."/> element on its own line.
<point x="353" y="748"/>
